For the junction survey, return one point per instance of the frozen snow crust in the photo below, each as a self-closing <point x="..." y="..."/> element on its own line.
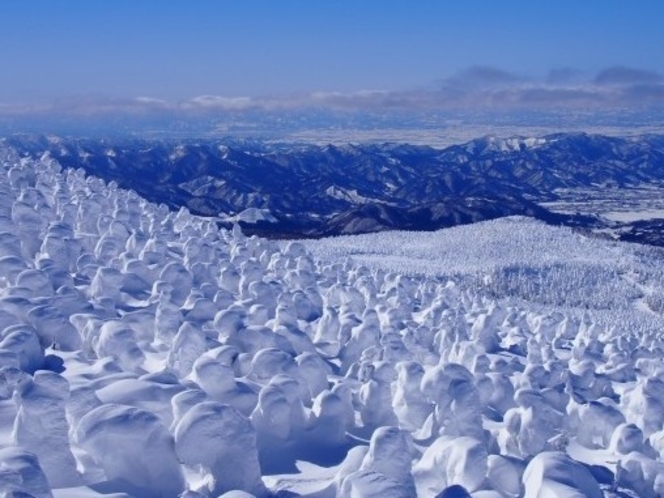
<point x="147" y="353"/>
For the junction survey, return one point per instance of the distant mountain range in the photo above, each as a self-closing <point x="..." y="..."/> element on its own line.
<point x="296" y="190"/>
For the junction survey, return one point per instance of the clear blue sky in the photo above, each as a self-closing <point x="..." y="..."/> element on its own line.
<point x="176" y="49"/>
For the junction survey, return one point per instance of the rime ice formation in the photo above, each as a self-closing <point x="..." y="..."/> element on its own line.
<point x="222" y="443"/>
<point x="133" y="448"/>
<point x="41" y="426"/>
<point x="21" y="474"/>
<point x="451" y="461"/>
<point x="148" y="353"/>
<point x="556" y="474"/>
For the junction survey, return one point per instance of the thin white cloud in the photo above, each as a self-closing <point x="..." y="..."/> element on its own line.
<point x="477" y="88"/>
<point x="219" y="102"/>
<point x="150" y="100"/>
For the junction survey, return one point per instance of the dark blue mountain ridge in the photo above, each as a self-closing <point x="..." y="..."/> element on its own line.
<point x="312" y="191"/>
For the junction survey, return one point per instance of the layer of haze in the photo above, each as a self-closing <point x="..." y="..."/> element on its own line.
<point x="176" y="50"/>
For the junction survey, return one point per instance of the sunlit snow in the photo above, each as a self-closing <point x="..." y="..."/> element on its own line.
<point x="148" y="353"/>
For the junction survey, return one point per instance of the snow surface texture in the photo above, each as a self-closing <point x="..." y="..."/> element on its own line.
<point x="147" y="353"/>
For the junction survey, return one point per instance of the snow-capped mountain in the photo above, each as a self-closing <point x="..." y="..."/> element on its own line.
<point x="305" y="190"/>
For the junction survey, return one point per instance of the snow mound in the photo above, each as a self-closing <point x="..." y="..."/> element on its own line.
<point x="220" y="441"/>
<point x="21" y="474"/>
<point x="133" y="448"/>
<point x="556" y="474"/>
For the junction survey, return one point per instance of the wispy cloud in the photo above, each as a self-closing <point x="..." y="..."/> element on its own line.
<point x="564" y="76"/>
<point x="620" y="75"/>
<point x="476" y="88"/>
<point x="482" y="77"/>
<point x="219" y="102"/>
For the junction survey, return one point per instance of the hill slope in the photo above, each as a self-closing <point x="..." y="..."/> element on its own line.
<point x="146" y="352"/>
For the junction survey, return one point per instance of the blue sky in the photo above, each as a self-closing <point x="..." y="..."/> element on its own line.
<point x="176" y="50"/>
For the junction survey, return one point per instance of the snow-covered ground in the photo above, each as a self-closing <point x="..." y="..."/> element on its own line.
<point x="631" y="216"/>
<point x="519" y="258"/>
<point x="147" y="353"/>
<point x="617" y="208"/>
<point x="451" y="133"/>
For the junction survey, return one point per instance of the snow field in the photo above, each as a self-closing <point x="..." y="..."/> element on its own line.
<point x="147" y="353"/>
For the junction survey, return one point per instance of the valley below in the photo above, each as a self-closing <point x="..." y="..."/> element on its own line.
<point x="605" y="185"/>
